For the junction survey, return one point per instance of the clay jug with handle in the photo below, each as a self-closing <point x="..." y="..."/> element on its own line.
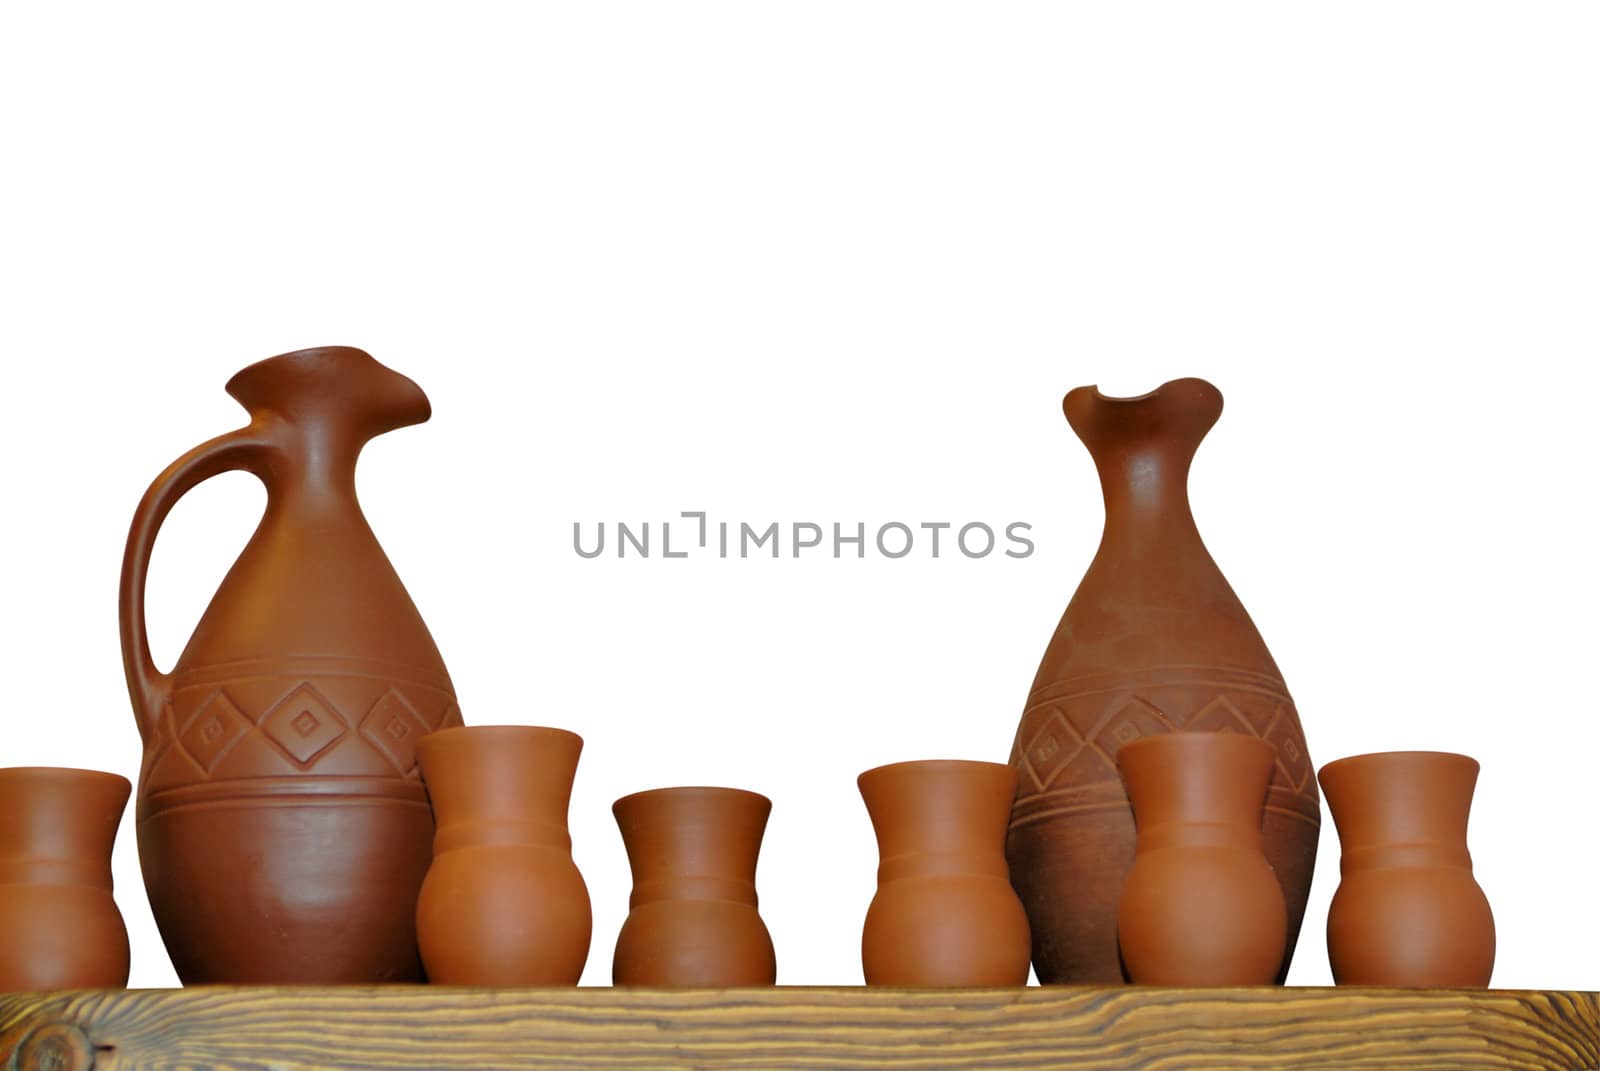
<point x="1153" y="641"/>
<point x="283" y="828"/>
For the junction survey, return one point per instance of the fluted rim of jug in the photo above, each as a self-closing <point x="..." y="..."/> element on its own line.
<point x="1093" y="390"/>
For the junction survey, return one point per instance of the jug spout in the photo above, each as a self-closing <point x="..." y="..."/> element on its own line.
<point x="341" y="382"/>
<point x="1175" y="416"/>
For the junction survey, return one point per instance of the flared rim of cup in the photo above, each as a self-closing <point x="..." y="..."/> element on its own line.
<point x="65" y="773"/>
<point x="683" y="792"/>
<point x="1179" y="740"/>
<point x="1399" y="758"/>
<point x="509" y="732"/>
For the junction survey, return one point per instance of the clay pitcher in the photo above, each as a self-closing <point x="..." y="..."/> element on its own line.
<point x="1408" y="911"/>
<point x="692" y="918"/>
<point x="503" y="903"/>
<point x="59" y="926"/>
<point x="944" y="913"/>
<point x="1201" y="907"/>
<point x="1153" y="641"/>
<point x="283" y="828"/>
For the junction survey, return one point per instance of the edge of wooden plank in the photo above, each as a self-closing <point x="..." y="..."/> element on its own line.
<point x="811" y="1027"/>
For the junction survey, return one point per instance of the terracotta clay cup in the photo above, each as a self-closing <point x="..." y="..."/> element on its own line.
<point x="503" y="903"/>
<point x="945" y="913"/>
<point x="59" y="926"/>
<point x="1201" y="906"/>
<point x="1408" y="911"/>
<point x="692" y="919"/>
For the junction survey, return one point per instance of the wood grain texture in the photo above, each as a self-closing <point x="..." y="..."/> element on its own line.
<point x="1151" y="1029"/>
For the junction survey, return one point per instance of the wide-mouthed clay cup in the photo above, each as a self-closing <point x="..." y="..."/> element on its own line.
<point x="693" y="918"/>
<point x="1408" y="911"/>
<point x="945" y="913"/>
<point x="1201" y="906"/>
<point x="503" y="903"/>
<point x="59" y="926"/>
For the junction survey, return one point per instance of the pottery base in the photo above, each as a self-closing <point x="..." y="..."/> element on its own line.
<point x="1072" y="895"/>
<point x="289" y="889"/>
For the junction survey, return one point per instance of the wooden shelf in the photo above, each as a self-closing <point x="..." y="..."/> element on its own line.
<point x="386" y="1028"/>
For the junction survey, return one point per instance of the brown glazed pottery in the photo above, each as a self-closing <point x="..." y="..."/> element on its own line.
<point x="1408" y="911"/>
<point x="945" y="913"/>
<point x="59" y="927"/>
<point x="503" y="903"/>
<point x="692" y="919"/>
<point x="283" y="829"/>
<point x="1153" y="641"/>
<point x="1201" y="907"/>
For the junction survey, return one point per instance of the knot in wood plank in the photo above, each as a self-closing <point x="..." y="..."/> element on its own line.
<point x="54" y="1047"/>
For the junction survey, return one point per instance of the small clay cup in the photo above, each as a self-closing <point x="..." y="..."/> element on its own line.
<point x="59" y="926"/>
<point x="944" y="913"/>
<point x="503" y="903"/>
<point x="692" y="919"/>
<point x="1408" y="911"/>
<point x="1201" y="906"/>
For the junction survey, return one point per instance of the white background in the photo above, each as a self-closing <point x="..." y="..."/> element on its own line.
<point x="837" y="262"/>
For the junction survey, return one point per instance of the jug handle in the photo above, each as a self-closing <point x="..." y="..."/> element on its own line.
<point x="244" y="449"/>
